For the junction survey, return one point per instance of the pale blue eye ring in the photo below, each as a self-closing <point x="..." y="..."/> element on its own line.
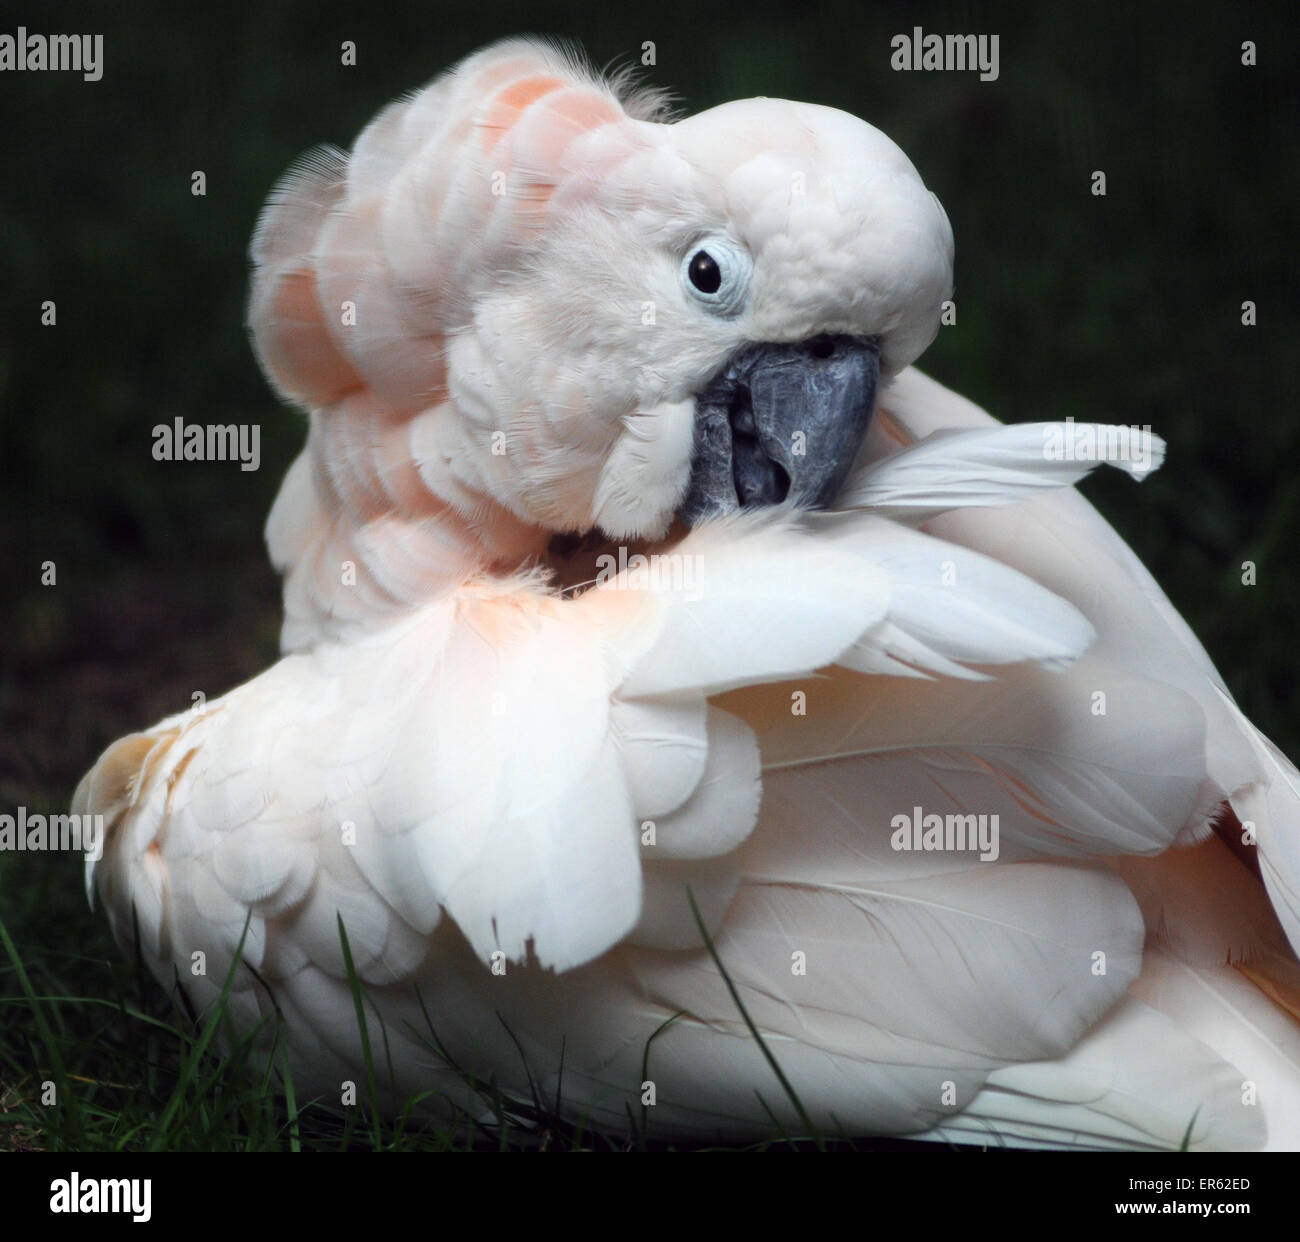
<point x="715" y="273"/>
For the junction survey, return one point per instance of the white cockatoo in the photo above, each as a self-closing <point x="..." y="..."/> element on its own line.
<point x="637" y="590"/>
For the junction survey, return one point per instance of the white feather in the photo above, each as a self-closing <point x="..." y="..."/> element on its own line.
<point x="951" y="469"/>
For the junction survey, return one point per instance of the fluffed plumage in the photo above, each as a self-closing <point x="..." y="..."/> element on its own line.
<point x="504" y="761"/>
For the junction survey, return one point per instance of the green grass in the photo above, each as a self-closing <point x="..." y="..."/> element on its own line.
<point x="132" y="1069"/>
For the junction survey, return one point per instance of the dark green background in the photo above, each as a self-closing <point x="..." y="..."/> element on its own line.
<point x="1123" y="308"/>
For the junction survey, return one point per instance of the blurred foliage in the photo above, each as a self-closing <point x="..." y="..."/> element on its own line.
<point x="1123" y="308"/>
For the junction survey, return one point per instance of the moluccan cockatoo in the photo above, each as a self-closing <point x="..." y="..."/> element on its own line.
<point x="637" y="590"/>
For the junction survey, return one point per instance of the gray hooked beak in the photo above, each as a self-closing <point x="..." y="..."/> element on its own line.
<point x="781" y="421"/>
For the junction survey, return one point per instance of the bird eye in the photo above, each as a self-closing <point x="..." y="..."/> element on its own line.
<point x="716" y="274"/>
<point x="704" y="272"/>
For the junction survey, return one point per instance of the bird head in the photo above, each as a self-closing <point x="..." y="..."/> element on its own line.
<point x="623" y="319"/>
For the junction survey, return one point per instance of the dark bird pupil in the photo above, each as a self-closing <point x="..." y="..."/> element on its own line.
<point x="704" y="272"/>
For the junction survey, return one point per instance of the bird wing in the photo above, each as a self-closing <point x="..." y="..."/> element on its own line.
<point x="492" y="754"/>
<point x="500" y="756"/>
<point x="1060" y="540"/>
